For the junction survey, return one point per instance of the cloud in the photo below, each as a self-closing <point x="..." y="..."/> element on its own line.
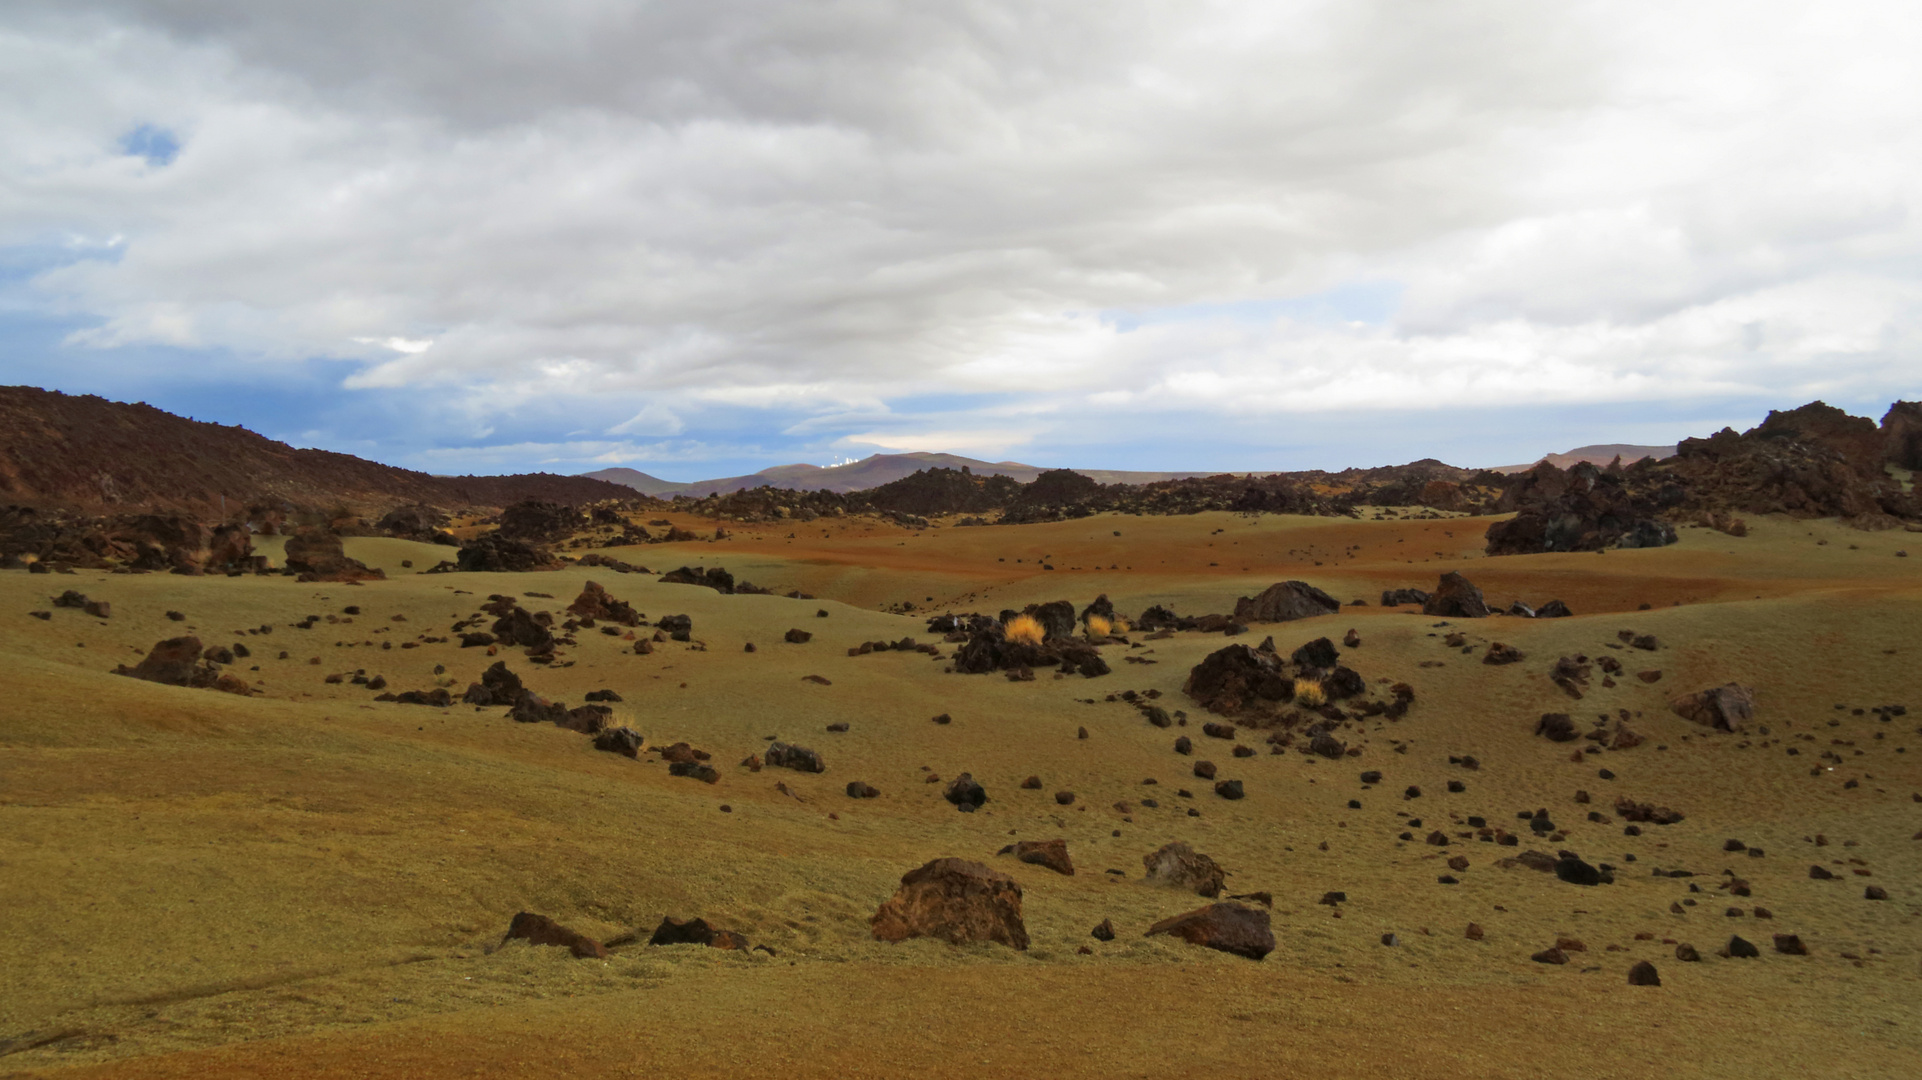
<point x="1144" y="209"/>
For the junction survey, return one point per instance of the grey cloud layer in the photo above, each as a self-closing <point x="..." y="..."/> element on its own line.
<point x="829" y="206"/>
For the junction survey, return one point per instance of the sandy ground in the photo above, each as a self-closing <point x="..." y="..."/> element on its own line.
<point x="307" y="882"/>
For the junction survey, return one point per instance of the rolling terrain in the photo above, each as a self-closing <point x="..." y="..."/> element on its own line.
<point x="307" y="881"/>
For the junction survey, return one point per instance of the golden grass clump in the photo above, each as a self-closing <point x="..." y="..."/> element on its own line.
<point x="1025" y="628"/>
<point x="1309" y="694"/>
<point x="1099" y="626"/>
<point x="1121" y="625"/>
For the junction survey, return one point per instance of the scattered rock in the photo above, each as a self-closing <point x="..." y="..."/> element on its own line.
<point x="1643" y="974"/>
<point x="1790" y="945"/>
<point x="860" y="790"/>
<point x="1229" y="789"/>
<point x="1285" y="602"/>
<point x="1103" y="932"/>
<point x="1737" y="947"/>
<point x="1550" y="956"/>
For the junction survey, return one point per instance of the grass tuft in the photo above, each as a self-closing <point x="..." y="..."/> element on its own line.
<point x="1025" y="628"/>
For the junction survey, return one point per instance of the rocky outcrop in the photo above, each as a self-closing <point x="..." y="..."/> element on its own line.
<point x="494" y="553"/>
<point x="419" y="522"/>
<point x="990" y="649"/>
<point x="713" y="577"/>
<point x="956" y="901"/>
<point x="1902" y="435"/>
<point x="318" y="556"/>
<point x="1285" y="601"/>
<point x="595" y="603"/>
<point x="539" y="521"/>
<point x="1228" y="927"/>
<point x="1581" y="509"/>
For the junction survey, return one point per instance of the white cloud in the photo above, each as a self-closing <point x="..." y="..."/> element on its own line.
<point x="831" y="209"/>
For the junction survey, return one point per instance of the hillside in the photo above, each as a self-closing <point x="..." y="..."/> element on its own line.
<point x="1600" y="454"/>
<point x="85" y="452"/>
<point x="870" y="472"/>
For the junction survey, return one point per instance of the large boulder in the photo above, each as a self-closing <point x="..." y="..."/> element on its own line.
<point x="1228" y="927"/>
<point x="1285" y="601"/>
<point x="173" y="662"/>
<point x="1455" y="597"/>
<point x="1720" y="707"/>
<point x="1181" y="866"/>
<point x="318" y="556"/>
<point x="957" y="901"/>
<point x="417" y="522"/>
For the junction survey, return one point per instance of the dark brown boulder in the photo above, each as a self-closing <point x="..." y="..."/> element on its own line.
<point x="1557" y="727"/>
<point x="1238" y="679"/>
<point x="798" y="637"/>
<point x="1499" y="653"/>
<point x="595" y="603"/>
<point x="1227" y="927"/>
<point x="799" y="758"/>
<point x="541" y="930"/>
<point x="858" y="789"/>
<point x="1790" y="945"/>
<point x="956" y="901"/>
<point x="520" y="627"/>
<point x="586" y="719"/>
<point x="1229" y="789"/>
<point x="1722" y="707"/>
<point x="673" y="931"/>
<point x="1052" y="854"/>
<point x="1643" y="974"/>
<point x="1285" y="601"/>
<point x="621" y="740"/>
<point x="713" y="577"/>
<point x="1741" y="948"/>
<point x="1103" y="932"/>
<point x="1455" y="597"/>
<point x="964" y="793"/>
<point x="1182" y="867"/>
<point x="1398" y="597"/>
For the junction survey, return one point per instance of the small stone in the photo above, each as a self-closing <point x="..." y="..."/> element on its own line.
<point x="1550" y="956"/>
<point x="1737" y="947"/>
<point x="1790" y="945"/>
<point x="1687" y="954"/>
<point x="1643" y="974"/>
<point x="1065" y="798"/>
<point x="1475" y="932"/>
<point x="1104" y="932"/>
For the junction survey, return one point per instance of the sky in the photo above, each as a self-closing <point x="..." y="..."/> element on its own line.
<point x="700" y="238"/>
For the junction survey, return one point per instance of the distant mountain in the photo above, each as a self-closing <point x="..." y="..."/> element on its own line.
<point x="869" y="472"/>
<point x="85" y="452"/>
<point x="1595" y="455"/>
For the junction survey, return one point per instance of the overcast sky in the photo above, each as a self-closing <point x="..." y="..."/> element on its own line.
<point x="703" y="237"/>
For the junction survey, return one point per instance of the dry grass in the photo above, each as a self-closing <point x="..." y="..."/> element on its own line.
<point x="1025" y="628"/>
<point x="1098" y="626"/>
<point x="1309" y="694"/>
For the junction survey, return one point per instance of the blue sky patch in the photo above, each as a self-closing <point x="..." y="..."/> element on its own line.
<point x="156" y="144"/>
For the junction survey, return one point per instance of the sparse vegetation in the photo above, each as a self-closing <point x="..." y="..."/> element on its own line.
<point x="1309" y="694"/>
<point x="1025" y="628"/>
<point x="1099" y="626"/>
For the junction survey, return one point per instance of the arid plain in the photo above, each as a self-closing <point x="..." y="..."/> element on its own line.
<point x="309" y="882"/>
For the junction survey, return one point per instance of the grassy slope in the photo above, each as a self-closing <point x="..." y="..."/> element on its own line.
<point x="312" y="882"/>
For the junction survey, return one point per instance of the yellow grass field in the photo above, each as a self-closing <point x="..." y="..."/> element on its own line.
<point x="306" y="882"/>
